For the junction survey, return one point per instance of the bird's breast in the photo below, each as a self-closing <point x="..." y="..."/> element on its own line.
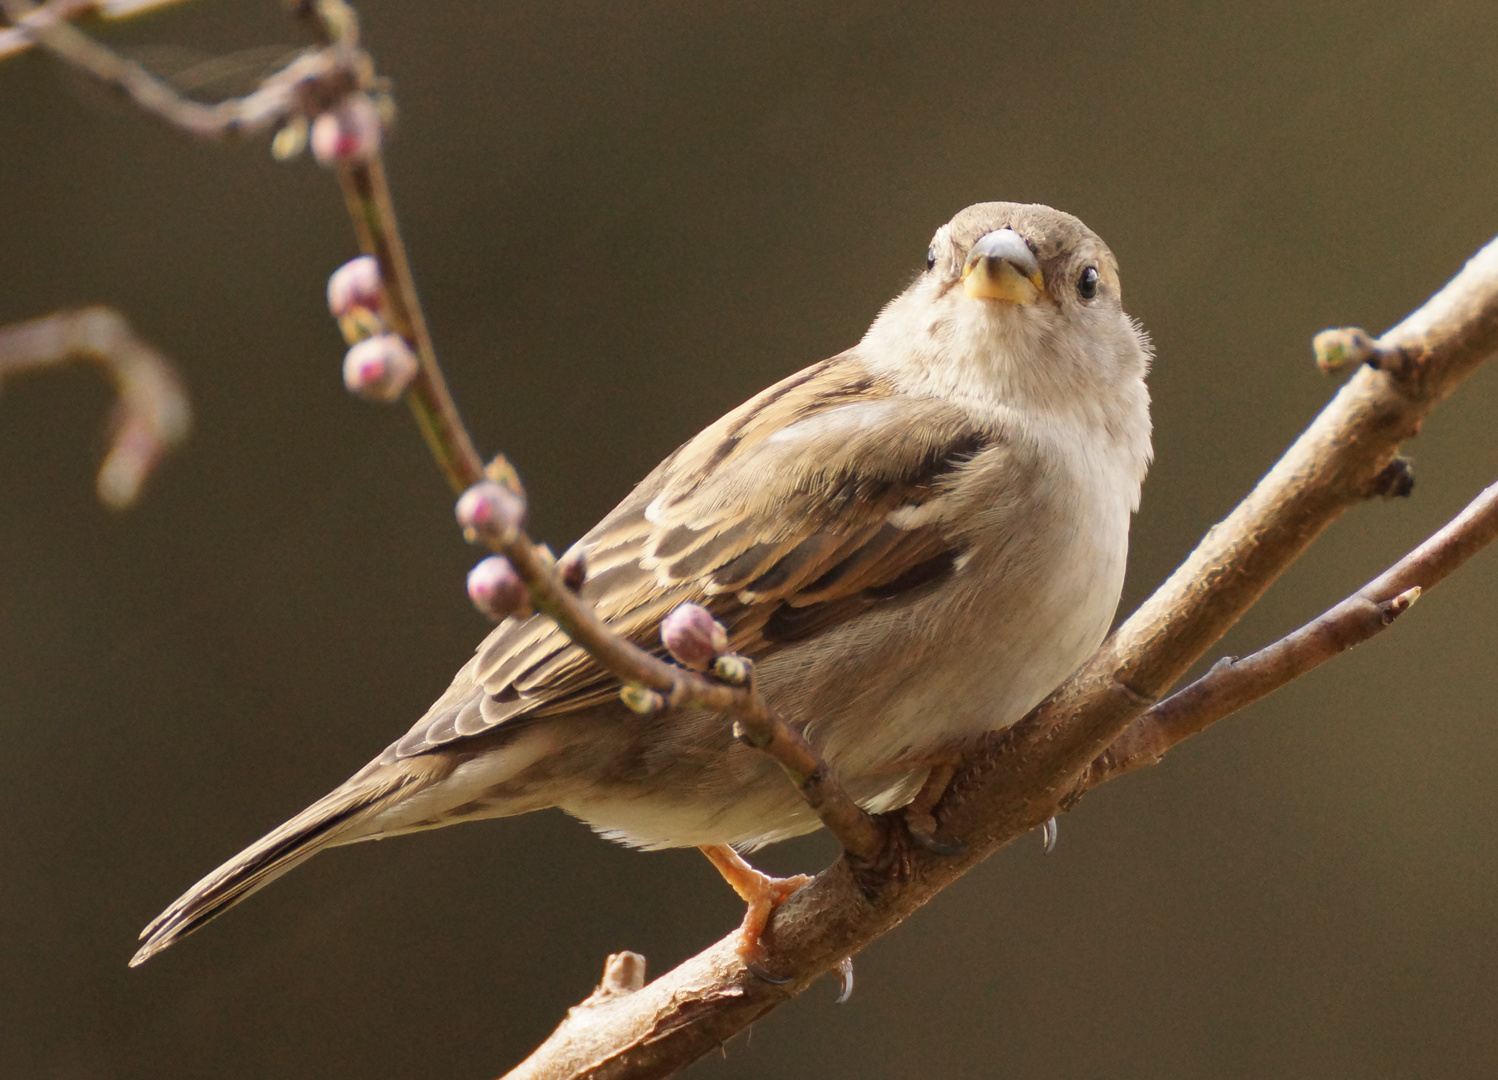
<point x="1031" y="598"/>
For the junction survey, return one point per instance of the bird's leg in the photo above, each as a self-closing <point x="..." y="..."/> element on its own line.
<point x="920" y="820"/>
<point x="760" y="891"/>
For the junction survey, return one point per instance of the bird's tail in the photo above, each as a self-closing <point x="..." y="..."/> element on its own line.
<point x="339" y="817"/>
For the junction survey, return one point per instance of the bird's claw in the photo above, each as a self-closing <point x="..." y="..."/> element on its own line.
<point x="937" y="847"/>
<point x="759" y="972"/>
<point x="1048" y="834"/>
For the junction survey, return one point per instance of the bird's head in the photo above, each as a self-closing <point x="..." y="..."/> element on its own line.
<point x="1020" y="304"/>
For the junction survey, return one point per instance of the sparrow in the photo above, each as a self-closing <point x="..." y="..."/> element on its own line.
<point x="915" y="541"/>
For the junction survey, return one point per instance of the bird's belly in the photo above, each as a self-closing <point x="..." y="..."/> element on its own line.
<point x="1005" y="669"/>
<point x="983" y="656"/>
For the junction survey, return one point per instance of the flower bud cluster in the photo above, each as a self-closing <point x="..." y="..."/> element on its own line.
<point x="379" y="365"/>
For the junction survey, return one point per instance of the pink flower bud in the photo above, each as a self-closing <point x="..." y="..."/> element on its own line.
<point x="348" y="132"/>
<point x="490" y="512"/>
<point x="496" y="589"/>
<point x="379" y="368"/>
<point x="693" y="636"/>
<point x="356" y="284"/>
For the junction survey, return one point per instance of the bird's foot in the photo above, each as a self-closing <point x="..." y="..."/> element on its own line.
<point x="920" y="821"/>
<point x="762" y="893"/>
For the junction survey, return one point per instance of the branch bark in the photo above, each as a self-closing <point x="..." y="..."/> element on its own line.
<point x="1020" y="778"/>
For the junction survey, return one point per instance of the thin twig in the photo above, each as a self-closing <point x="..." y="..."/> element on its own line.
<point x="1233" y="684"/>
<point x="152" y="415"/>
<point x="858" y="833"/>
<point x="22" y="34"/>
<point x="20" y="38"/>
<point x="315" y="82"/>
<point x="306" y="85"/>
<point x="367" y="194"/>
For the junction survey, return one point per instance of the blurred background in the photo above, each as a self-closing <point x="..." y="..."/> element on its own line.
<point x="626" y="218"/>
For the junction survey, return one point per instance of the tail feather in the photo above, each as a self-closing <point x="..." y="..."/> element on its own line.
<point x="326" y="823"/>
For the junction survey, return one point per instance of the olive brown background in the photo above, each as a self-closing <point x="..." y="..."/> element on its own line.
<point x="626" y="218"/>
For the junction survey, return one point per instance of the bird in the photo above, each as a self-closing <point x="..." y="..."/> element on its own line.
<point x="914" y="541"/>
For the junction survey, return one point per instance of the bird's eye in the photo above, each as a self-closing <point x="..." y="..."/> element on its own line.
<point x="1087" y="283"/>
<point x="930" y="257"/>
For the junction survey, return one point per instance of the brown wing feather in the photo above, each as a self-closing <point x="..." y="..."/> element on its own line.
<point x="788" y="516"/>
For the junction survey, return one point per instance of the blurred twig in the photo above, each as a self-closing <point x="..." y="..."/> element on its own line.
<point x="305" y="86"/>
<point x="22" y="35"/>
<point x="152" y="415"/>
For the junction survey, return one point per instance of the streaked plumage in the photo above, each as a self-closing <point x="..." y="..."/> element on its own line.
<point x="916" y="540"/>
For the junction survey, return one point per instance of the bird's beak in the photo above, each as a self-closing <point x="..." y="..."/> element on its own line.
<point x="1002" y="267"/>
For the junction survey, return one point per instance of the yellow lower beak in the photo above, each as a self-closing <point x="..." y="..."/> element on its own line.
<point x="1002" y="267"/>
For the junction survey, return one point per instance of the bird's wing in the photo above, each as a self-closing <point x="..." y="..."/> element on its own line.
<point x="824" y="495"/>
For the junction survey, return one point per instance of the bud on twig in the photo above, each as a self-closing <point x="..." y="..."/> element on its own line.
<point x="290" y="139"/>
<point x="349" y="132"/>
<point x="496" y="589"/>
<point x="733" y="669"/>
<point x="573" y="568"/>
<point x="1344" y="347"/>
<point x="641" y="699"/>
<point x="693" y="636"/>
<point x="490" y="513"/>
<point x="357" y="283"/>
<point x="379" y="368"/>
<point x="356" y="297"/>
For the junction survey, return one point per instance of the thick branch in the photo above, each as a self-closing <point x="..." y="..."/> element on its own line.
<point x="1022" y="777"/>
<point x="152" y="415"/>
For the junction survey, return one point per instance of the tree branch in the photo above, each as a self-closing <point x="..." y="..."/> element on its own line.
<point x="305" y="86"/>
<point x="1020" y="778"/>
<point x="152" y="415"/>
<point x="367" y="194"/>
<point x="1233" y="684"/>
